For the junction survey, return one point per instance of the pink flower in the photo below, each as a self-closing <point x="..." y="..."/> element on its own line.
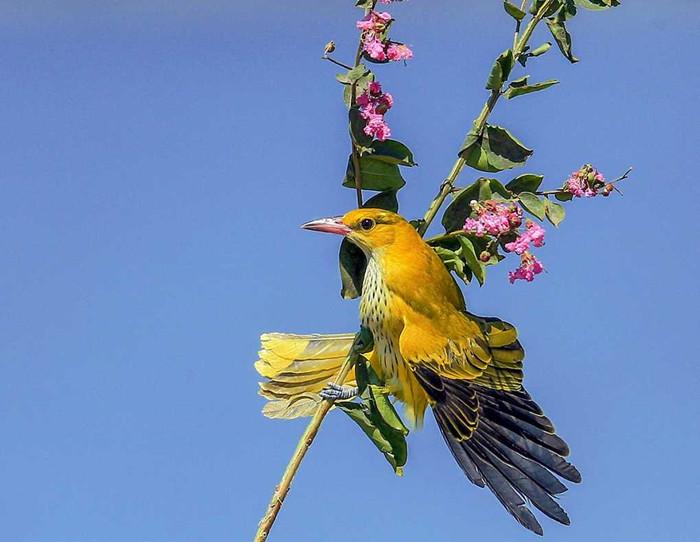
<point x="534" y="233"/>
<point x="398" y="51"/>
<point x="585" y="182"/>
<point x="374" y="103"/>
<point x="374" y="27"/>
<point x="529" y="267"/>
<point x="494" y="218"/>
<point x="374" y="47"/>
<point x="374" y="21"/>
<point x="475" y="227"/>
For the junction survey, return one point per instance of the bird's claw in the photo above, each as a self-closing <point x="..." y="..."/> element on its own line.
<point x="336" y="392"/>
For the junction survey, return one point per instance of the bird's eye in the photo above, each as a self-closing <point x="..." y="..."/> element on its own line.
<point x="367" y="224"/>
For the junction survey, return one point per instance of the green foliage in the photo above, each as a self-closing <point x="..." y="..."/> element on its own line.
<point x="537" y="4"/>
<point x="377" y="417"/>
<point x="528" y="182"/>
<point x="357" y="125"/>
<point x="468" y="254"/>
<point x="459" y="209"/>
<point x="393" y="152"/>
<point x="532" y="204"/>
<point x="555" y="212"/>
<point x="384" y="200"/>
<point x="460" y="253"/>
<point x="496" y="149"/>
<point x="500" y="71"/>
<point x="562" y="37"/>
<point x="360" y="77"/>
<point x="598" y="4"/>
<point x="514" y="11"/>
<point x="352" y="264"/>
<point x="365" y="4"/>
<point x="375" y="174"/>
<point x="520" y="89"/>
<point x="542" y="49"/>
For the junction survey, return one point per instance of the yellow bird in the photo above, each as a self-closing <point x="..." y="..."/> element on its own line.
<point x="430" y="351"/>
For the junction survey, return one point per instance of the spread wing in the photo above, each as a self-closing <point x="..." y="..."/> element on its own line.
<point x="460" y="345"/>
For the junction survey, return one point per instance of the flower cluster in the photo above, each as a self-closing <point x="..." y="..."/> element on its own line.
<point x="374" y="103"/>
<point x="529" y="267"/>
<point x="493" y="218"/>
<point x="587" y="182"/>
<point x="534" y="233"/>
<point x="499" y="218"/>
<point x="529" y="264"/>
<point x="374" y="43"/>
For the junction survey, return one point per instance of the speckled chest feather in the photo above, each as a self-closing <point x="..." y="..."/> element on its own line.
<point x="374" y="306"/>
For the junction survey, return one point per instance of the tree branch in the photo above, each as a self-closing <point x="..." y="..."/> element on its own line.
<point x="480" y="122"/>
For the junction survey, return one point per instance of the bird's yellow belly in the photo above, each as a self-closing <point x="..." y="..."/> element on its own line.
<point x="386" y="327"/>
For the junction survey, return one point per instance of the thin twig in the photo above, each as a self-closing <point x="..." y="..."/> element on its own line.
<point x="480" y="123"/>
<point x="302" y="447"/>
<point x="309" y="435"/>
<point x="337" y="63"/>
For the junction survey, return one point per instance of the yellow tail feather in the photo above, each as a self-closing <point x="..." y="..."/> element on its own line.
<point x="297" y="367"/>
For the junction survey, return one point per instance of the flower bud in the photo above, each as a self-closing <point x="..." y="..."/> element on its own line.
<point x="329" y="48"/>
<point x="485" y="256"/>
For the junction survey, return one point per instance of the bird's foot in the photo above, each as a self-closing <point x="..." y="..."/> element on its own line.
<point x="336" y="392"/>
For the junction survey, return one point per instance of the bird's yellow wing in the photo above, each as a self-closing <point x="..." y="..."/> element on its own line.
<point x="448" y="343"/>
<point x="464" y="346"/>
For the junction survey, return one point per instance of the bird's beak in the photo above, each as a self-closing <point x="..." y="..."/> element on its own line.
<point x="329" y="225"/>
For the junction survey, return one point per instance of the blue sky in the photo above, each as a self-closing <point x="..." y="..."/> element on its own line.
<point x="157" y="160"/>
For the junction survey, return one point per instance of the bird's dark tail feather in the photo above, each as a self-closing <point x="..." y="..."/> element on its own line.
<point x="503" y="440"/>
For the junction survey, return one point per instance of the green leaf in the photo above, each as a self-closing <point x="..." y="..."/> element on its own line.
<point x="537" y="4"/>
<point x="459" y="209"/>
<point x="529" y="182"/>
<point x="555" y="212"/>
<point x="597" y="4"/>
<point x="386" y="410"/>
<point x="364" y="4"/>
<point x="562" y="37"/>
<point x="393" y="152"/>
<point x="497" y="188"/>
<point x="384" y="200"/>
<point x="361" y="375"/>
<point x="564" y="196"/>
<point x="353" y="75"/>
<point x="520" y="82"/>
<point x="377" y="416"/>
<point x="494" y="150"/>
<point x="454" y="263"/>
<point x="527" y="89"/>
<point x="533" y="204"/>
<point x="357" y="126"/>
<point x="542" y="49"/>
<point x="374" y="174"/>
<point x="393" y="447"/>
<point x="361" y="86"/>
<point x="353" y="263"/>
<point x="514" y="11"/>
<point x="568" y="10"/>
<point x="468" y="253"/>
<point x="500" y="70"/>
<point x="485" y="189"/>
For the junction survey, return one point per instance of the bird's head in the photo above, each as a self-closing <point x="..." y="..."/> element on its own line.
<point x="369" y="229"/>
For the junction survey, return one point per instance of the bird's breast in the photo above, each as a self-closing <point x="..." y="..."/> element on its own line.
<point x="375" y="313"/>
